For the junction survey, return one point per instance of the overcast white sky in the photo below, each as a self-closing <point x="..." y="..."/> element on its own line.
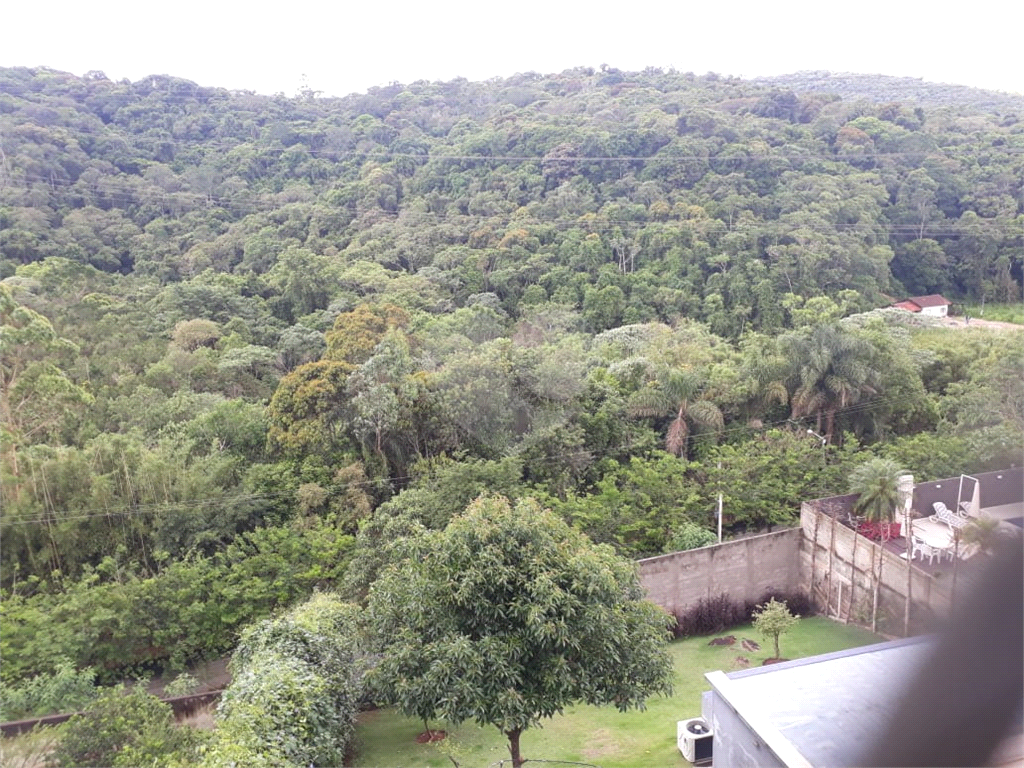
<point x="343" y="47"/>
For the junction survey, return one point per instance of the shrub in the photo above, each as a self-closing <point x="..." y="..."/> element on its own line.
<point x="716" y="614"/>
<point x="710" y="615"/>
<point x="878" y="531"/>
<point x="65" y="690"/>
<point x="689" y="535"/>
<point x="182" y="685"/>
<point x="125" y="728"/>
<point x="798" y="602"/>
<point x="280" y="711"/>
<point x="296" y="689"/>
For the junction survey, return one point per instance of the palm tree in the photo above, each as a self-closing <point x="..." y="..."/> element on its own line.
<point x="677" y="392"/>
<point x="830" y="370"/>
<point x="766" y="370"/>
<point x="877" y="482"/>
<point x="982" y="531"/>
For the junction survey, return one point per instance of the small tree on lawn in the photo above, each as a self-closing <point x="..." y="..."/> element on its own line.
<point x="772" y="620"/>
<point x="508" y="616"/>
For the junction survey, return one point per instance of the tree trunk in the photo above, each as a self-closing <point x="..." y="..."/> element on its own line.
<point x="831" y="563"/>
<point x="513" y="746"/>
<point x="878" y="584"/>
<point x="778" y="653"/>
<point x="853" y="575"/>
<point x="814" y="551"/>
<point x="907" y="534"/>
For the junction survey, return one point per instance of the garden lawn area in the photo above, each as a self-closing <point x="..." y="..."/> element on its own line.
<point x="601" y="735"/>
<point x="1003" y="313"/>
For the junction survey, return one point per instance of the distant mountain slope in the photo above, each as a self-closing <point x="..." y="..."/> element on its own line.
<point x="884" y="88"/>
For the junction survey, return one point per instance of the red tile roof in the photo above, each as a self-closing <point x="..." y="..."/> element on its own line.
<point x="917" y="303"/>
<point x="931" y="300"/>
<point x="907" y="305"/>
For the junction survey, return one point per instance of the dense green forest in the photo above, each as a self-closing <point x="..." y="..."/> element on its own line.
<point x="250" y="340"/>
<point x="886" y="89"/>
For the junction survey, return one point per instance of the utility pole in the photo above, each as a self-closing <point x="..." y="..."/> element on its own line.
<point x="824" y="441"/>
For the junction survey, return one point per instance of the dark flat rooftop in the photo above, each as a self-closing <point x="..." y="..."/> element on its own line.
<point x="826" y="710"/>
<point x="830" y="707"/>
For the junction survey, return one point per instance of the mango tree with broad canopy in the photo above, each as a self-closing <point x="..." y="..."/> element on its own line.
<point x="508" y="616"/>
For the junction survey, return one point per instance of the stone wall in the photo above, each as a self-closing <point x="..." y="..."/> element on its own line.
<point x="744" y="569"/>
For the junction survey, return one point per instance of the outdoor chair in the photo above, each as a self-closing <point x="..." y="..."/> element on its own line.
<point x="944" y="515"/>
<point x="925" y="550"/>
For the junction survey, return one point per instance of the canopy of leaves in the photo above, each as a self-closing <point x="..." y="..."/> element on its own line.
<point x="236" y="327"/>
<point x="125" y="727"/>
<point x="508" y="616"/>
<point x="877" y="483"/>
<point x="774" y="619"/>
<point x="295" y="688"/>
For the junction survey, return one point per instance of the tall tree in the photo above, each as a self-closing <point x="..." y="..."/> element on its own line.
<point x="35" y="393"/>
<point x="507" y="617"/>
<point x="677" y="393"/>
<point x="829" y="370"/>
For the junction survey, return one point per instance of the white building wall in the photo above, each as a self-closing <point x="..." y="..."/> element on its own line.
<point x="936" y="311"/>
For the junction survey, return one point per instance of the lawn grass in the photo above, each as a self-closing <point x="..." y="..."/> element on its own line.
<point x="1003" y="313"/>
<point x="601" y="735"/>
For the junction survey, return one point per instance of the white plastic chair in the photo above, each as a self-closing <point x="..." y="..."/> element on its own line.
<point x="924" y="549"/>
<point x="945" y="515"/>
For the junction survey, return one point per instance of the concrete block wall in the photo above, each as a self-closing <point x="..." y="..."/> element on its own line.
<point x="743" y="569"/>
<point x="834" y="561"/>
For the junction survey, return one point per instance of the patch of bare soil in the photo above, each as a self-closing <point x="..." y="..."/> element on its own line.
<point x="766" y="662"/>
<point x="742" y="661"/>
<point x="203" y="719"/>
<point x="977" y="322"/>
<point x="727" y="640"/>
<point x="428" y="736"/>
<point x="750" y="645"/>
<point x="600" y="744"/>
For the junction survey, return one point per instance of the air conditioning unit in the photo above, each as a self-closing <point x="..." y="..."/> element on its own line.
<point x="694" y="737"/>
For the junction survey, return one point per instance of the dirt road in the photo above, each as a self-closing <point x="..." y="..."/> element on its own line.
<point x="977" y="322"/>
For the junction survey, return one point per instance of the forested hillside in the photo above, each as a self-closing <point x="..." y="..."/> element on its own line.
<point x="884" y="88"/>
<point x="249" y="340"/>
